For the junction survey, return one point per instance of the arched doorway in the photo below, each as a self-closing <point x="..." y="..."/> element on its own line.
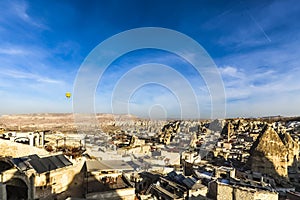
<point x="16" y="189"/>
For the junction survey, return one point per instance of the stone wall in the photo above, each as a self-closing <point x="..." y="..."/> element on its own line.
<point x="223" y="191"/>
<point x="69" y="180"/>
<point x="244" y="194"/>
<point x="2" y="191"/>
<point x="265" y="195"/>
<point x="120" y="194"/>
<point x="219" y="191"/>
<point x="60" y="183"/>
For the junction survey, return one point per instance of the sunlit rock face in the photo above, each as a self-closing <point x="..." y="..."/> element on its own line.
<point x="292" y="147"/>
<point x="272" y="153"/>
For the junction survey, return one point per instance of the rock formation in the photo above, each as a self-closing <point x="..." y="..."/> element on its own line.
<point x="273" y="153"/>
<point x="168" y="132"/>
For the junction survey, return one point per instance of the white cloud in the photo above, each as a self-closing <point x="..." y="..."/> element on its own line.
<point x="260" y="92"/>
<point x="25" y="75"/>
<point x="13" y="51"/>
<point x="19" y="9"/>
<point x="231" y="71"/>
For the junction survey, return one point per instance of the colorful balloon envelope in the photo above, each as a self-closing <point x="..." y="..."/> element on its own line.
<point x="68" y="95"/>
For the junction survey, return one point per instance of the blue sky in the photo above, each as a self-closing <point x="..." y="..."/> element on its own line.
<point x="255" y="45"/>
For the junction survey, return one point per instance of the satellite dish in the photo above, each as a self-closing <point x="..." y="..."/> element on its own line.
<point x="68" y="95"/>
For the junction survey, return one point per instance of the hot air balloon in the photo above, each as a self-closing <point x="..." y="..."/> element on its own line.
<point x="68" y="94"/>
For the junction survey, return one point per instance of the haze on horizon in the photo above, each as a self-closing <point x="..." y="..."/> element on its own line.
<point x="255" y="45"/>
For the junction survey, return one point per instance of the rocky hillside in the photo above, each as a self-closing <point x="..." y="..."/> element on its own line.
<point x="57" y="121"/>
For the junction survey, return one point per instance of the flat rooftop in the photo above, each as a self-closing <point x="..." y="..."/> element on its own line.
<point x="106" y="165"/>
